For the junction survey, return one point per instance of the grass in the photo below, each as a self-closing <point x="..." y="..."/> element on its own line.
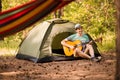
<point x="8" y="48"/>
<point x="107" y="46"/>
<point x="7" y="52"/>
<point x="108" y="43"/>
<point x="9" y="44"/>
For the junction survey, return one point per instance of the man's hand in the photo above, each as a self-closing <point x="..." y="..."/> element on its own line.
<point x="90" y="42"/>
<point x="72" y="47"/>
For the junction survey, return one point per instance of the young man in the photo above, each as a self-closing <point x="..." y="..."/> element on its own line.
<point x="85" y="43"/>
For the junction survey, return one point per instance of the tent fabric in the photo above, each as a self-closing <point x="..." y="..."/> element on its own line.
<point x="21" y="17"/>
<point x="34" y="39"/>
<point x="43" y="42"/>
<point x="39" y="40"/>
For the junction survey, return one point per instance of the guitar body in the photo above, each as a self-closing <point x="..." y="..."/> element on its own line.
<point x="68" y="51"/>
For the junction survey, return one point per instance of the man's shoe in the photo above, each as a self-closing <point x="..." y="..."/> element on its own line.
<point x="94" y="59"/>
<point x="99" y="58"/>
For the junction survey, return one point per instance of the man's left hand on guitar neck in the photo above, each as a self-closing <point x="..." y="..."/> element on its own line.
<point x="90" y="42"/>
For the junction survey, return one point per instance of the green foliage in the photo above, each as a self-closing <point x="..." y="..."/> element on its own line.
<point x="108" y="43"/>
<point x="10" y="42"/>
<point x="6" y="4"/>
<point x="95" y="16"/>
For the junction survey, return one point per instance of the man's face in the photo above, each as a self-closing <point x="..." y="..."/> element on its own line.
<point x="79" y="30"/>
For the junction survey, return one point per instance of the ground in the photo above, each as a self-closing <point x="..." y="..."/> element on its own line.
<point x="15" y="69"/>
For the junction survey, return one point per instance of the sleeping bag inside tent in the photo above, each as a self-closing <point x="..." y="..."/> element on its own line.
<point x="43" y="42"/>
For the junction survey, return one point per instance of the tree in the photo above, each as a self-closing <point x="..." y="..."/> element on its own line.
<point x="118" y="40"/>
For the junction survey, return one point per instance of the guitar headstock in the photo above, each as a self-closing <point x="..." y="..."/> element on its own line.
<point x="99" y="40"/>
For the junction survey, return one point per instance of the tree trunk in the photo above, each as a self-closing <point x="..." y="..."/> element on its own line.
<point x="58" y="13"/>
<point x="117" y="77"/>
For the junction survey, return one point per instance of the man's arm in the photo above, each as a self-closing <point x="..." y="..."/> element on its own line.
<point x="63" y="42"/>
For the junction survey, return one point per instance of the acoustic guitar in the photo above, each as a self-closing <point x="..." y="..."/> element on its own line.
<point x="77" y="43"/>
<point x="68" y="51"/>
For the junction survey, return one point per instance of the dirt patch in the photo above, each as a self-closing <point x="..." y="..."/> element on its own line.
<point x="15" y="69"/>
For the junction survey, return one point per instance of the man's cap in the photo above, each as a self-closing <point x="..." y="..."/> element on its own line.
<point x="78" y="26"/>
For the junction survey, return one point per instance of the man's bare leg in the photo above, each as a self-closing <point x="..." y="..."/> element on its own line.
<point x="91" y="50"/>
<point x="79" y="53"/>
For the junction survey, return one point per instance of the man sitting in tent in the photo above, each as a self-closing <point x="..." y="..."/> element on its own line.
<point x="82" y="44"/>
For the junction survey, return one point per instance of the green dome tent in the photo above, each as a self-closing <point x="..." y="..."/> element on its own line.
<point x="43" y="42"/>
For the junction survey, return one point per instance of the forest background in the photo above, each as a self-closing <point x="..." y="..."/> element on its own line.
<point x="97" y="16"/>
